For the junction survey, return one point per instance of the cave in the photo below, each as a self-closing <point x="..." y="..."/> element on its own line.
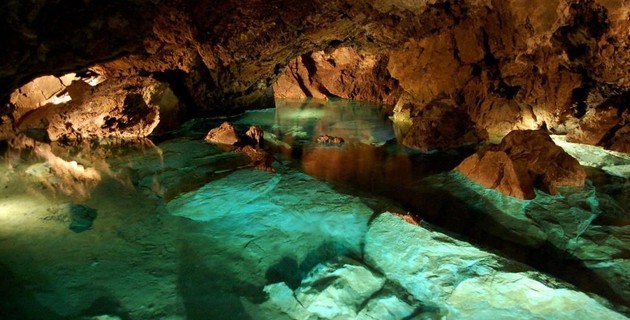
<point x="325" y="159"/>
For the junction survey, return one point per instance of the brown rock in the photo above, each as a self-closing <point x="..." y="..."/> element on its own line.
<point x="256" y="134"/>
<point x="621" y="141"/>
<point x="125" y="108"/>
<point x="261" y="158"/>
<point x="329" y="139"/>
<point x="428" y="69"/>
<point x="344" y="73"/>
<point x="524" y="160"/>
<point x="442" y="125"/>
<point x="594" y="126"/>
<point x="224" y="134"/>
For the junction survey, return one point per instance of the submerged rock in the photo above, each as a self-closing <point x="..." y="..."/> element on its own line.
<point x="581" y="233"/>
<point x="332" y="291"/>
<point x="524" y="160"/>
<point x="329" y="139"/>
<point x="82" y="217"/>
<point x="410" y="272"/>
<point x="79" y="217"/>
<point x="261" y="158"/>
<point x="467" y="283"/>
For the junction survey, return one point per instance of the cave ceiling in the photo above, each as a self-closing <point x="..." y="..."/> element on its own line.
<point x="507" y="64"/>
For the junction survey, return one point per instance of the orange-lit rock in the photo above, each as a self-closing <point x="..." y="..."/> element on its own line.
<point x="344" y="73"/>
<point x="224" y="134"/>
<point x="594" y="126"/>
<point x="621" y="141"/>
<point x="524" y="160"/>
<point x="120" y="108"/>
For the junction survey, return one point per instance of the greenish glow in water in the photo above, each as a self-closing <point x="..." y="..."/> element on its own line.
<point x="185" y="230"/>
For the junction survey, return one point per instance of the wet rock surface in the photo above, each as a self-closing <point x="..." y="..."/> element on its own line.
<point x="581" y="228"/>
<point x="425" y="274"/>
<point x="524" y="160"/>
<point x="224" y="134"/>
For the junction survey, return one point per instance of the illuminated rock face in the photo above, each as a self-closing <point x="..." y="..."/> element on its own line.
<point x="508" y="64"/>
<point x="344" y="73"/>
<point x="524" y="160"/>
<point x="69" y="108"/>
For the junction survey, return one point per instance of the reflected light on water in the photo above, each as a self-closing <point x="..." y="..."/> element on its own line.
<point x="72" y="171"/>
<point x="358" y="163"/>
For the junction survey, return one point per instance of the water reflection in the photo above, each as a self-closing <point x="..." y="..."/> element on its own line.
<point x="357" y="164"/>
<point x="73" y="170"/>
<point x="261" y="227"/>
<point x="371" y="159"/>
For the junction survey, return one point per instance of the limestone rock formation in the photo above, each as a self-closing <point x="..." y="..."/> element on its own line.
<point x="68" y="108"/>
<point x="344" y="73"/>
<point x="524" y="160"/>
<point x="621" y="141"/>
<point x="448" y="275"/>
<point x="256" y="135"/>
<point x="250" y="142"/>
<point x="224" y="134"/>
<point x="442" y="125"/>
<point x="508" y="64"/>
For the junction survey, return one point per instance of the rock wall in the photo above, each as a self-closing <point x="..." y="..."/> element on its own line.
<point x="74" y="108"/>
<point x="343" y="73"/>
<point x="511" y="64"/>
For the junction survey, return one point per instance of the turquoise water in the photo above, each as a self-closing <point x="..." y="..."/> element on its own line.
<point x="181" y="229"/>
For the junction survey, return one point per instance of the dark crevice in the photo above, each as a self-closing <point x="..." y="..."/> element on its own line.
<point x="176" y="80"/>
<point x="578" y="96"/>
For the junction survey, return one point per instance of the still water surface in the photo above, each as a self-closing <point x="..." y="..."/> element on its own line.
<point x="182" y="229"/>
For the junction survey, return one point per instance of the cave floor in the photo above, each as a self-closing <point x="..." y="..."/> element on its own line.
<point x="186" y="230"/>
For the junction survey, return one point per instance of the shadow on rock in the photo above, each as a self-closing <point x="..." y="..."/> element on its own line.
<point x="106" y="306"/>
<point x="208" y="295"/>
<point x="18" y="302"/>
<point x="289" y="271"/>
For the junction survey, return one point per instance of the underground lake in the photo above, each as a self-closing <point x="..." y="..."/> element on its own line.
<point x="362" y="227"/>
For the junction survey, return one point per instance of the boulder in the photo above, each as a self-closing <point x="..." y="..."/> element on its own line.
<point x="524" y="160"/>
<point x="224" y="134"/>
